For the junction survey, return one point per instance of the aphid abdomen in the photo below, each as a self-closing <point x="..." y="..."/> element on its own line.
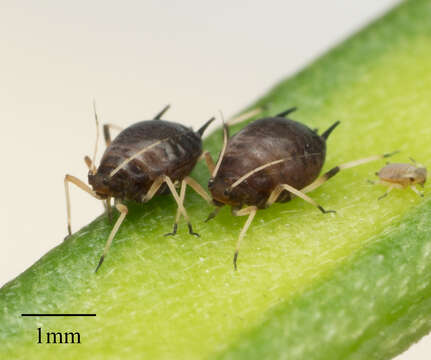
<point x="265" y="141"/>
<point x="175" y="156"/>
<point x="397" y="173"/>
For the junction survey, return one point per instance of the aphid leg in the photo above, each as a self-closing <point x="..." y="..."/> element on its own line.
<point x="181" y="210"/>
<point x="420" y="193"/>
<point x="208" y="160"/>
<point x="386" y="193"/>
<point x="251" y="212"/>
<point x="335" y="170"/>
<point x="123" y="212"/>
<point x="280" y="188"/>
<point x="153" y="189"/>
<point x="107" y="132"/>
<point x="171" y="186"/>
<point x="274" y="196"/>
<point x="155" y="186"/>
<point x="198" y="188"/>
<point x="213" y="214"/>
<point x="178" y="214"/>
<point x="162" y="112"/>
<point x="200" y="191"/>
<point x="109" y="209"/>
<point x="81" y="185"/>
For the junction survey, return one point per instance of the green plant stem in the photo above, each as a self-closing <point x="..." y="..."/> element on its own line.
<point x="310" y="286"/>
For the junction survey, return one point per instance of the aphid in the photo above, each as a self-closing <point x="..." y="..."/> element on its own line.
<point x="270" y="160"/>
<point x="145" y="159"/>
<point x="401" y="176"/>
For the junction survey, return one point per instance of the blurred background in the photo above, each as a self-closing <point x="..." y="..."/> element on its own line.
<point x="134" y="57"/>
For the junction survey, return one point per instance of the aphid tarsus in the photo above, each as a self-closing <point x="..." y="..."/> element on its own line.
<point x="145" y="159"/>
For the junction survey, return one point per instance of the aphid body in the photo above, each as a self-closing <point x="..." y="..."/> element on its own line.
<point x="270" y="160"/>
<point x="262" y="142"/>
<point x="402" y="175"/>
<point x="148" y="158"/>
<point x="174" y="156"/>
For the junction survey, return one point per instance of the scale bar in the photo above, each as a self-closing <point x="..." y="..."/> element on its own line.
<point x="58" y="314"/>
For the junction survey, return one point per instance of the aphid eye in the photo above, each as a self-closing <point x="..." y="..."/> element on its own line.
<point x="211" y="182"/>
<point x="105" y="181"/>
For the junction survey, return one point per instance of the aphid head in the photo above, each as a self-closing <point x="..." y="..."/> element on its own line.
<point x="100" y="183"/>
<point x="420" y="175"/>
<point x="220" y="188"/>
<point x="217" y="188"/>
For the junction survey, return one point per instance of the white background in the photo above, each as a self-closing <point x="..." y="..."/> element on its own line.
<point x="134" y="57"/>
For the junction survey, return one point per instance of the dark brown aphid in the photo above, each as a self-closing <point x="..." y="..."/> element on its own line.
<point x="145" y="159"/>
<point x="270" y="160"/>
<point x="401" y="176"/>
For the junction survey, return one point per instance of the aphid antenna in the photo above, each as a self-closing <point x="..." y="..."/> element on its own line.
<point x="223" y="150"/>
<point x="328" y="132"/>
<point x="275" y="162"/>
<point x="204" y="127"/>
<point x="135" y="155"/>
<point x="93" y="165"/>
<point x="89" y="163"/>
<point x="416" y="163"/>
